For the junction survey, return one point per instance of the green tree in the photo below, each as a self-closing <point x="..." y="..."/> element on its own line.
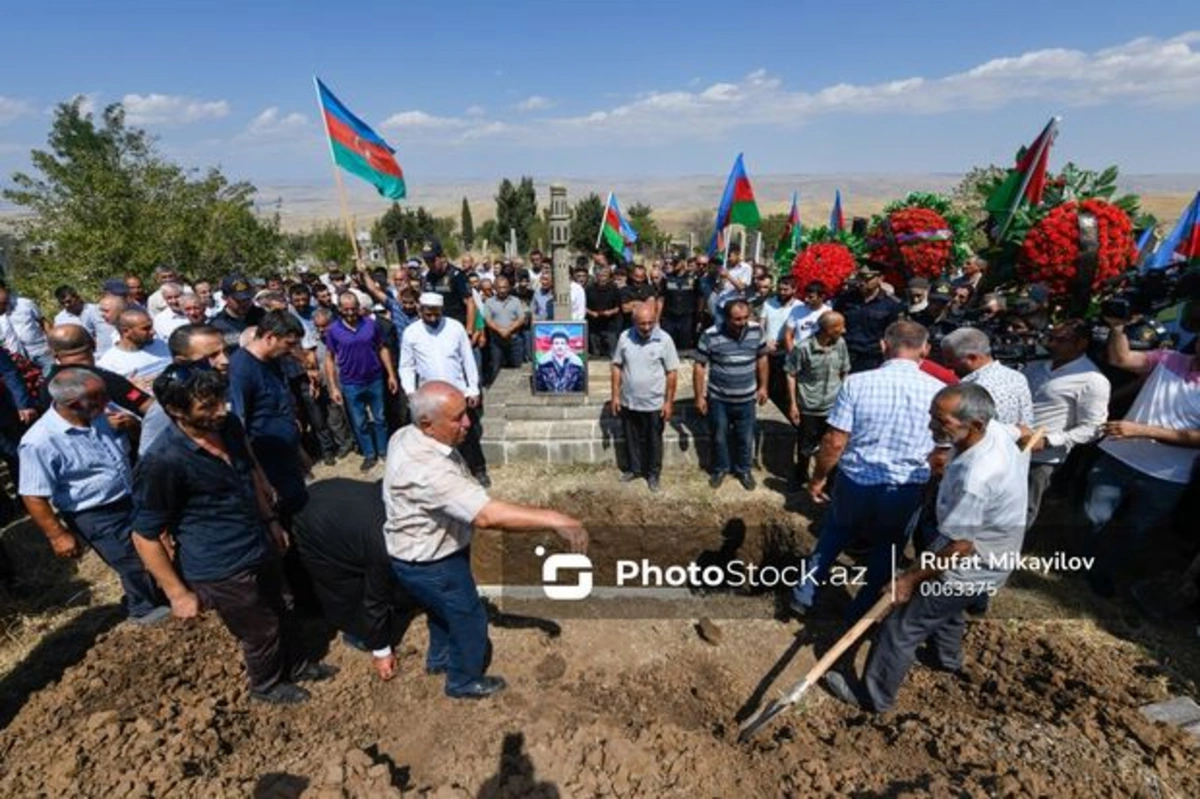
<point x="103" y="202"/>
<point x="330" y="242"/>
<point x="641" y="217"/>
<point x="467" y="225"/>
<point x="516" y="209"/>
<point x="413" y="226"/>
<point x="586" y="216"/>
<point x="489" y="232"/>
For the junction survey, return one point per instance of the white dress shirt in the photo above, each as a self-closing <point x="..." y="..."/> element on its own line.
<point x="167" y="322"/>
<point x="441" y="353"/>
<point x="1070" y="402"/>
<point x="578" y="302"/>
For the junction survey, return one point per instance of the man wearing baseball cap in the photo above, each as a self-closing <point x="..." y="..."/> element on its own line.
<point x="868" y="312"/>
<point x="239" y="312"/>
<point x="446" y="279"/>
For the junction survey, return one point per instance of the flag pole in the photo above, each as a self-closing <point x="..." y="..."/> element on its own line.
<point x="337" y="177"/>
<point x="603" y="218"/>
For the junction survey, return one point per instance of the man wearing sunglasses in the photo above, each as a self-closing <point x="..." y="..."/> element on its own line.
<point x="200" y="483"/>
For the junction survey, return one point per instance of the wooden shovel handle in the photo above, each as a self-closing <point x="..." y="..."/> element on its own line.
<point x="877" y="612"/>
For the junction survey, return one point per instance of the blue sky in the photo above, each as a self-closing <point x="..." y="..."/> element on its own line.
<point x="476" y="90"/>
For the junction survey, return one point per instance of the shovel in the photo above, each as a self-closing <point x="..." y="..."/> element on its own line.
<point x="880" y="609"/>
<point x="764" y="717"/>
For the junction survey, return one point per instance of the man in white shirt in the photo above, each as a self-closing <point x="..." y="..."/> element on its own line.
<point x="432" y="508"/>
<point x="156" y="303"/>
<point x="438" y="349"/>
<point x="968" y="351"/>
<point x="171" y="316"/>
<point x="1070" y="402"/>
<point x="1148" y="456"/>
<point x="981" y="526"/>
<point x="803" y="319"/>
<point x="76" y="312"/>
<point x="137" y="356"/>
<point x="23" y="329"/>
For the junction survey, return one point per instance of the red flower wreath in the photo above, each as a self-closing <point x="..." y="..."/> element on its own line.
<point x="1051" y="248"/>
<point x="829" y="262"/>
<point x="921" y="244"/>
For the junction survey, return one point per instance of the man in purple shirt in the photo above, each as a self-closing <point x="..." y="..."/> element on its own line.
<point x="356" y="364"/>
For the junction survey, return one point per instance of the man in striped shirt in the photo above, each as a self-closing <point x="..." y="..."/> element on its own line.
<point x="730" y="380"/>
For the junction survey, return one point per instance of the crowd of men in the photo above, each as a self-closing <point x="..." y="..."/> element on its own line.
<point x="175" y="432"/>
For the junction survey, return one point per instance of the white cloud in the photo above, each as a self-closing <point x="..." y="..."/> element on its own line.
<point x="475" y="111"/>
<point x="419" y="120"/>
<point x="535" y="103"/>
<point x="11" y="108"/>
<point x="1141" y="72"/>
<point x="166" y="109"/>
<point x="273" y="125"/>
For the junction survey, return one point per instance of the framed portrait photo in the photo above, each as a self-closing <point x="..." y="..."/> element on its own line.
<point x="560" y="358"/>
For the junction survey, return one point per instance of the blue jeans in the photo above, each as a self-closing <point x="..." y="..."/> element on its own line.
<point x="1140" y="500"/>
<point x="740" y="450"/>
<point x="108" y="530"/>
<point x="458" y="637"/>
<point x="878" y="513"/>
<point x="370" y="435"/>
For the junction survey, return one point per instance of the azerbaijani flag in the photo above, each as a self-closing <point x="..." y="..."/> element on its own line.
<point x="358" y="149"/>
<point x="737" y="204"/>
<point x="837" y="220"/>
<point x="1024" y="183"/>
<point x="789" y="242"/>
<point x="1183" y="245"/>
<point x="615" y="229"/>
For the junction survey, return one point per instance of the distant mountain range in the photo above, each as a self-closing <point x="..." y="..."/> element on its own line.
<point x="674" y="200"/>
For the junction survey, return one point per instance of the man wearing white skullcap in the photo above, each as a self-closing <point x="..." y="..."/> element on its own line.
<point x="439" y="349"/>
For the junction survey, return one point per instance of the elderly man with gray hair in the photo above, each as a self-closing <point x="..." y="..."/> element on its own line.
<point x="981" y="507"/>
<point x="968" y="351"/>
<point x="433" y="505"/>
<point x="76" y="480"/>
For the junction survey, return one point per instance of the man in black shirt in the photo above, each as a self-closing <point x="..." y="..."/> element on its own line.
<point x="603" y="313"/>
<point x="868" y="311"/>
<point x="199" y="483"/>
<point x="639" y="289"/>
<point x="448" y="280"/>
<point x="680" y="301"/>
<point x="339" y="536"/>
<point x="239" y="312"/>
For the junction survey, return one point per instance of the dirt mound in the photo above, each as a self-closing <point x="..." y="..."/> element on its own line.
<point x="165" y="713"/>
<point x="620" y="707"/>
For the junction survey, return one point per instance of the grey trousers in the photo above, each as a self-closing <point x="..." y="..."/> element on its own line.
<point x="940" y="620"/>
<point x="1040" y="475"/>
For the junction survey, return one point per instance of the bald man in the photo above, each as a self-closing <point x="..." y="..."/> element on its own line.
<point x="433" y="506"/>
<point x="137" y="355"/>
<point x="645" y="369"/>
<point x="815" y="369"/>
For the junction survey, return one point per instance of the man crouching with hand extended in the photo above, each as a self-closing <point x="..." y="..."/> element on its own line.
<point x="981" y="507"/>
<point x="433" y="504"/>
<point x="199" y="483"/>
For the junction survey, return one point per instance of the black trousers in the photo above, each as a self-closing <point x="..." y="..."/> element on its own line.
<point x="808" y="439"/>
<point x="926" y="617"/>
<point x="250" y="604"/>
<point x="643" y="432"/>
<point x="681" y="329"/>
<point x="471" y="449"/>
<point x="602" y="341"/>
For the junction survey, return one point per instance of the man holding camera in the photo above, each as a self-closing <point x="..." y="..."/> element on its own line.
<point x="1147" y="457"/>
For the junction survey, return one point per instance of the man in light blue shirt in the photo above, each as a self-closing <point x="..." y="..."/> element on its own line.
<point x="879" y="440"/>
<point x="73" y="462"/>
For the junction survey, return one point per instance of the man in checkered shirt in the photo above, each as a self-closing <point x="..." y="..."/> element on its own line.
<point x="968" y="351"/>
<point x="879" y="439"/>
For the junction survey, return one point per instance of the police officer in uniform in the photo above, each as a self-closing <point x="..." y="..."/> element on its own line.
<point x="448" y="280"/>
<point x="681" y="301"/>
<point x="868" y="311"/>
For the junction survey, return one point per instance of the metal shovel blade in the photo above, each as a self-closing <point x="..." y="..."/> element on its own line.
<point x="763" y="718"/>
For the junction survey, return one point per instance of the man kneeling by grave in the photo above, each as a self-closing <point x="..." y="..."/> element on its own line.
<point x="981" y="525"/>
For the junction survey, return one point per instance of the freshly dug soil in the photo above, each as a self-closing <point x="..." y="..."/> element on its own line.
<point x="607" y="707"/>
